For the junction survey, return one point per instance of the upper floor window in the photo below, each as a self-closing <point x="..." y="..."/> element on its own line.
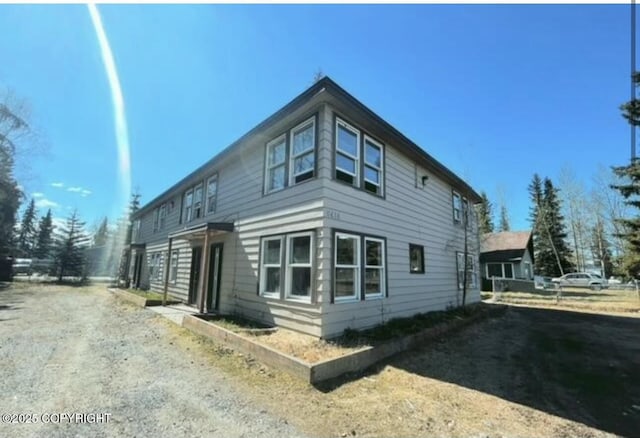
<point x="457" y="207"/>
<point x="192" y="203"/>
<point x="347" y="153"/>
<point x="303" y="151"/>
<point x="359" y="159"/>
<point x="290" y="158"/>
<point x="212" y="194"/>
<point x="135" y="230"/>
<point x="159" y="217"/>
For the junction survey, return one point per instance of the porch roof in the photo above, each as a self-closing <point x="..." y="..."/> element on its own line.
<point x="201" y="229"/>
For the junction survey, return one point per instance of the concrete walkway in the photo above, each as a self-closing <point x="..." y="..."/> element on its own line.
<point x="174" y="312"/>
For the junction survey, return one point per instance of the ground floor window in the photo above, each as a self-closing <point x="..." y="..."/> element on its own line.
<point x="359" y="267"/>
<point x="499" y="270"/>
<point x="155" y="266"/>
<point x="416" y="259"/>
<point x="472" y="272"/>
<point x="174" y="266"/>
<point x="286" y="266"/>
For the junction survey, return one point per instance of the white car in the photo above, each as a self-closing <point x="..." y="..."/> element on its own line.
<point x="582" y="279"/>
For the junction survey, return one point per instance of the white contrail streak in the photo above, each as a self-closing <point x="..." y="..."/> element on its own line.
<point x="108" y="263"/>
<point x="122" y="135"/>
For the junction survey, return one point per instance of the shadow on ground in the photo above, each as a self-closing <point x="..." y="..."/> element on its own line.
<point x="580" y="366"/>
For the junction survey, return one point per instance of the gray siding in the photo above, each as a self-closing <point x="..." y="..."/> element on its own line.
<point x="409" y="213"/>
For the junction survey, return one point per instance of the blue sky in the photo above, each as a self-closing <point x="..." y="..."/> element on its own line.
<point x="494" y="92"/>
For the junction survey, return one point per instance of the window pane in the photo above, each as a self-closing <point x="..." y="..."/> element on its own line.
<point x="345" y="282"/>
<point x="374" y="253"/>
<point x="212" y="187"/>
<point x="303" y="140"/>
<point x="347" y="141"/>
<point x="508" y="270"/>
<point x="373" y="155"/>
<point x="301" y="281"/>
<point x="371" y="174"/>
<point x="300" y="249"/>
<point x="372" y="281"/>
<point x="197" y="197"/>
<point x="277" y="178"/>
<point x="303" y="163"/>
<point x="415" y="258"/>
<point x="346" y="251"/>
<point x="189" y="199"/>
<point x="272" y="280"/>
<point x="345" y="163"/>
<point x="272" y="252"/>
<point x="276" y="154"/>
<point x="494" y="270"/>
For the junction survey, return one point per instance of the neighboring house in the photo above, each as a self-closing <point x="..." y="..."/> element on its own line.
<point x="321" y="218"/>
<point x="508" y="254"/>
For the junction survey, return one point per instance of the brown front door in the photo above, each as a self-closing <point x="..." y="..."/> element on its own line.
<point x="196" y="255"/>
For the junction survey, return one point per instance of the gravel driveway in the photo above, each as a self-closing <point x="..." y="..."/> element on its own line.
<point x="76" y="351"/>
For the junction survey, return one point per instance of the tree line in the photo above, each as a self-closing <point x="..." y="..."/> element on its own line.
<point x="66" y="248"/>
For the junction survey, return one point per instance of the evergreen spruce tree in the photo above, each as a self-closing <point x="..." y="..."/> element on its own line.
<point x="630" y="190"/>
<point x="44" y="240"/>
<point x="27" y="233"/>
<point x="102" y="234"/>
<point x="504" y="225"/>
<point x="551" y="252"/>
<point x="485" y="214"/>
<point x="11" y="128"/>
<point x="71" y="242"/>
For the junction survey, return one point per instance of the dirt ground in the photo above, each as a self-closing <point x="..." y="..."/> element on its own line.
<point x="533" y="372"/>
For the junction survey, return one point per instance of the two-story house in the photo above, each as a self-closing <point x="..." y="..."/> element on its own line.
<point x="321" y="218"/>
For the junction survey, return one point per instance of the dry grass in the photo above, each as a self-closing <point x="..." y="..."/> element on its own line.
<point x="479" y="382"/>
<point x="605" y="301"/>
<point x="305" y="347"/>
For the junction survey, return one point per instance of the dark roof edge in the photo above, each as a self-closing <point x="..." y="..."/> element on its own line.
<point x="288" y="108"/>
<point x="435" y="165"/>
<point x="326" y="83"/>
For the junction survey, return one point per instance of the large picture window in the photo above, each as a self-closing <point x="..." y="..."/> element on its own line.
<point x="499" y="270"/>
<point x="291" y="157"/>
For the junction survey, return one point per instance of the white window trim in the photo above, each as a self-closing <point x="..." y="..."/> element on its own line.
<point x="348" y="127"/>
<point x="473" y="284"/>
<point x="357" y="287"/>
<point x="289" y="266"/>
<point x="457" y="218"/>
<point x="215" y="196"/>
<point x="381" y="268"/>
<point x="187" y="209"/>
<point x="263" y="267"/>
<point x="301" y="127"/>
<point x="281" y="139"/>
<point x="162" y="216"/>
<point x="156" y="217"/>
<point x="201" y="201"/>
<point x="173" y="269"/>
<point x="379" y="169"/>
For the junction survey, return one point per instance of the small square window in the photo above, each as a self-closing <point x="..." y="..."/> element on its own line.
<point x="416" y="259"/>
